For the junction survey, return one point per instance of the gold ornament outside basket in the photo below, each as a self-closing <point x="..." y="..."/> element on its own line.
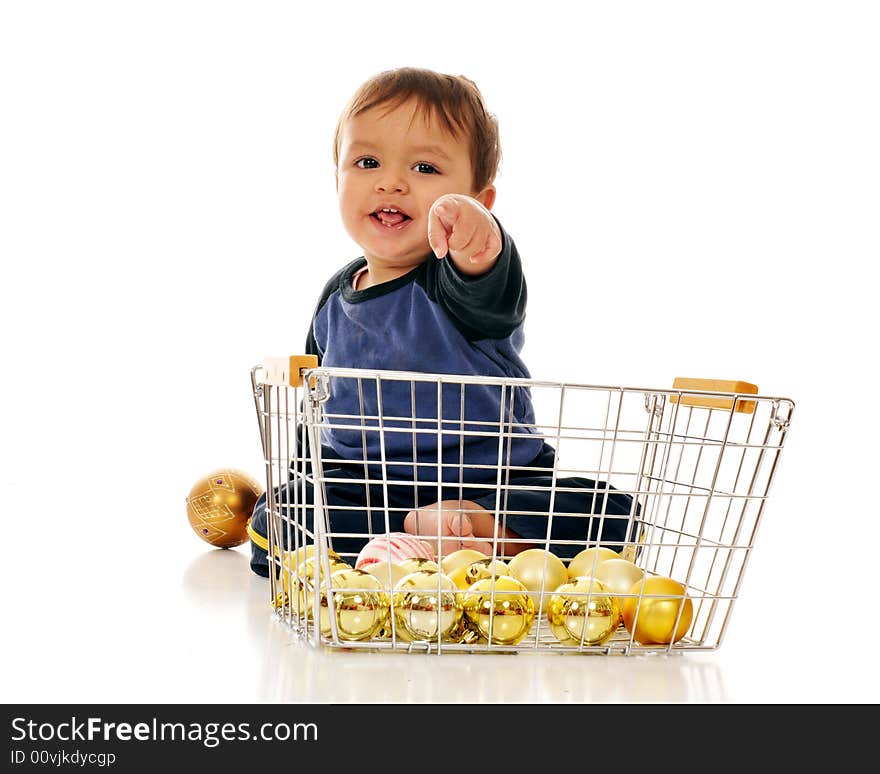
<point x="582" y="612"/>
<point x="220" y="505"/>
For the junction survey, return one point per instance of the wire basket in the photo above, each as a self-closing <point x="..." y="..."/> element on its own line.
<point x="674" y="481"/>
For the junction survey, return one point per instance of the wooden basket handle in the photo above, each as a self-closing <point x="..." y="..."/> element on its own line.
<point x="715" y="401"/>
<point x="287" y="371"/>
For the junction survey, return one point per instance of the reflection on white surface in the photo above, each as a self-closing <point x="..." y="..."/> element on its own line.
<point x="220" y="585"/>
<point x="184" y="622"/>
<point x="288" y="669"/>
<point x="296" y="671"/>
<point x="217" y="578"/>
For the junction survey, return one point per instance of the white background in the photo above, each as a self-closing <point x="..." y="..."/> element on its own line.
<point x="693" y="187"/>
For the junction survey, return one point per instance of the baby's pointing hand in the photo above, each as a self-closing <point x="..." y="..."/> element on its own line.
<point x="462" y="227"/>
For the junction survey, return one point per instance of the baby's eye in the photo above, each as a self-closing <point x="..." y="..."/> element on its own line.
<point x="367" y="163"/>
<point x="426" y="168"/>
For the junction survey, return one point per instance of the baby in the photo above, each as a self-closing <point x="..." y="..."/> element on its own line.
<point x="439" y="289"/>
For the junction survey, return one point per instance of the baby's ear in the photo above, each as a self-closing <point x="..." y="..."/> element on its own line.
<point x="336" y="178"/>
<point x="486" y="197"/>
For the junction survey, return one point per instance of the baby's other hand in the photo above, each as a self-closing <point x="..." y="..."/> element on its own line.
<point x="461" y="227"/>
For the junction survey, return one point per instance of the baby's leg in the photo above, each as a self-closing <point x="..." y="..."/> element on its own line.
<point x="467" y="523"/>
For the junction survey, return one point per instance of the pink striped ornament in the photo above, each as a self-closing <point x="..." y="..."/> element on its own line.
<point x="393" y="547"/>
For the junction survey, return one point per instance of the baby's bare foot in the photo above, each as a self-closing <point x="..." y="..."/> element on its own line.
<point x="454" y="524"/>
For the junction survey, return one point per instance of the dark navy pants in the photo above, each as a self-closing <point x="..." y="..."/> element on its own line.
<point x="597" y="513"/>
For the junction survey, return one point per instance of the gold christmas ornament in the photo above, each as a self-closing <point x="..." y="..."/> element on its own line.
<point x="466" y="633"/>
<point x="361" y="606"/>
<point x="588" y="560"/>
<point x="499" y="609"/>
<point x="538" y="570"/>
<point x="386" y="630"/>
<point x="651" y="619"/>
<point x="293" y="559"/>
<point x="387" y="573"/>
<point x="302" y="585"/>
<point x="424" y="604"/>
<point x="618" y="576"/>
<point x="390" y="630"/>
<point x="416" y="563"/>
<point x="460" y="558"/>
<point x="582" y="612"/>
<point x="305" y="570"/>
<point x="466" y="575"/>
<point x="220" y="505"/>
<point x="631" y="552"/>
<point x="290" y="560"/>
<point x="286" y="576"/>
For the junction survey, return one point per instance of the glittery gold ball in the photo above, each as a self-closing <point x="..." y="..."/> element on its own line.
<point x="586" y="562"/>
<point x="466" y="575"/>
<point x="538" y="570"/>
<point x="460" y="558"/>
<point x="499" y="608"/>
<point x="220" y="505"/>
<point x="582" y="612"/>
<point x="425" y="604"/>
<point x="651" y="617"/>
<point x="361" y="606"/>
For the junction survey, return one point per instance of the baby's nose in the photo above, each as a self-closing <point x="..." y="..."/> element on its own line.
<point x="391" y="183"/>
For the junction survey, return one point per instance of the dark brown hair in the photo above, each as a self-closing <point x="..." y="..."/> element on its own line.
<point x="452" y="99"/>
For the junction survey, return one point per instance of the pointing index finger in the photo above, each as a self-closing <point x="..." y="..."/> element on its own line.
<point x="437" y="235"/>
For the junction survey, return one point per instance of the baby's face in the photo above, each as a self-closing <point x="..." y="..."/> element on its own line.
<point x="395" y="160"/>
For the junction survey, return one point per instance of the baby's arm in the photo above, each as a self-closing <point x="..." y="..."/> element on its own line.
<point x="488" y="304"/>
<point x="461" y="227"/>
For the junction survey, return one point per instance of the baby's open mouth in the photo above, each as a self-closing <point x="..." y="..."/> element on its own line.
<point x="389" y="216"/>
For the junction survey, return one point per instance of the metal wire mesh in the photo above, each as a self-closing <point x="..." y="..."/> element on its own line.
<point x="696" y="475"/>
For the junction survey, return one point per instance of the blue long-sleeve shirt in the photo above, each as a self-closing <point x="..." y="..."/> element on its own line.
<point x="434" y="319"/>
